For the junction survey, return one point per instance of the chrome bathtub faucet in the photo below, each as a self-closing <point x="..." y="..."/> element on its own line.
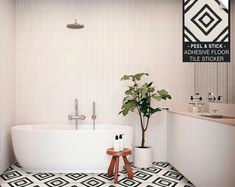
<point x="76" y="117"/>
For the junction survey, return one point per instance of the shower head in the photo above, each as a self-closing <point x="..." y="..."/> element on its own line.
<point x="75" y="25"/>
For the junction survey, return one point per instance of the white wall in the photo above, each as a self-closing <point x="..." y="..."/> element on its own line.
<point x="7" y="80"/>
<point x="55" y="65"/>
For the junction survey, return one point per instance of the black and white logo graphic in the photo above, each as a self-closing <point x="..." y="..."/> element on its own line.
<point x="206" y="31"/>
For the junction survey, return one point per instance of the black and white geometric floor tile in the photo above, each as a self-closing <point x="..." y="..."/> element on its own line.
<point x="161" y="174"/>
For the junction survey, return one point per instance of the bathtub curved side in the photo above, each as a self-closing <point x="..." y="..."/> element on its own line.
<point x="40" y="150"/>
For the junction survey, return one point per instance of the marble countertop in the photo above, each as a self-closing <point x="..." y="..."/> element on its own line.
<point x="197" y="115"/>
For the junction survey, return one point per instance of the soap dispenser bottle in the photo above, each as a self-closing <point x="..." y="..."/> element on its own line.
<point x="121" y="143"/>
<point x="116" y="144"/>
<point x="191" y="104"/>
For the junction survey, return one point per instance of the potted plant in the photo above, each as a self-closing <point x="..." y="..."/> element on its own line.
<point x="138" y="98"/>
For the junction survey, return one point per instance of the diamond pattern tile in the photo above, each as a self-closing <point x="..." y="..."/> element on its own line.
<point x="160" y="174"/>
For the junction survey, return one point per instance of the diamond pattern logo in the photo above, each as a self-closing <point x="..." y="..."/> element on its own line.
<point x="58" y="182"/>
<point x="20" y="182"/>
<point x="206" y="19"/>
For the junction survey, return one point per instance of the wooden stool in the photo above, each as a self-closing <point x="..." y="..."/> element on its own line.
<point x="115" y="161"/>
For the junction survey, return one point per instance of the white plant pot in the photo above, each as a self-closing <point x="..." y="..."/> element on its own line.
<point x="143" y="157"/>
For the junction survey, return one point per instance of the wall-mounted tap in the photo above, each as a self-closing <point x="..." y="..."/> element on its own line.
<point x="196" y="97"/>
<point x="211" y="97"/>
<point x="76" y="117"/>
<point x="93" y="115"/>
<point x="219" y="99"/>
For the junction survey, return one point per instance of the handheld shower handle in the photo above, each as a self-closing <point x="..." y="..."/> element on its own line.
<point x="93" y="111"/>
<point x="76" y="106"/>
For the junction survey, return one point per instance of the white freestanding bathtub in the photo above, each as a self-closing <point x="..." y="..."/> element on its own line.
<point x="62" y="149"/>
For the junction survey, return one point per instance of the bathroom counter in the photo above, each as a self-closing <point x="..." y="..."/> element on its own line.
<point x="217" y="120"/>
<point x="202" y="149"/>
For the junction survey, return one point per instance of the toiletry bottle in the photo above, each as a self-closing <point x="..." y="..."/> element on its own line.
<point x="191" y="104"/>
<point x="121" y="143"/>
<point x="116" y="144"/>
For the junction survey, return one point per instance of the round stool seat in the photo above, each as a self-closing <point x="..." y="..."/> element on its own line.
<point x="125" y="152"/>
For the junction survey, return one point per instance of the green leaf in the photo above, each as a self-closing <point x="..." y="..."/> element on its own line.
<point x="126" y="77"/>
<point x="156" y="97"/>
<point x="168" y="97"/>
<point x="129" y="91"/>
<point x="144" y="91"/>
<point x="125" y="98"/>
<point x="125" y="111"/>
<point x="152" y="89"/>
<point x="129" y="105"/>
<point x="138" y="76"/>
<point x="164" y="94"/>
<point x="154" y="110"/>
<point x="150" y="84"/>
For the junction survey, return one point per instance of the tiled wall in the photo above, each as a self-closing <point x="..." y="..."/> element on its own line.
<point x="209" y="75"/>
<point x="7" y="81"/>
<point x="55" y="65"/>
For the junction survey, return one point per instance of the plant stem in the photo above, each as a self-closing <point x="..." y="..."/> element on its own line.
<point x="143" y="138"/>
<point x="141" y="119"/>
<point x="147" y="124"/>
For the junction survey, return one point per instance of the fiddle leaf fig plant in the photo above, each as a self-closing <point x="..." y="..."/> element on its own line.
<point x="138" y="98"/>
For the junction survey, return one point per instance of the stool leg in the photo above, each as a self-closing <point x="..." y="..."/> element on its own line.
<point x="116" y="170"/>
<point x="111" y="166"/>
<point x="128" y="168"/>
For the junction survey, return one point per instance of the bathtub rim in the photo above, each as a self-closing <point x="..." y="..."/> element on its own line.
<point x="26" y="127"/>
